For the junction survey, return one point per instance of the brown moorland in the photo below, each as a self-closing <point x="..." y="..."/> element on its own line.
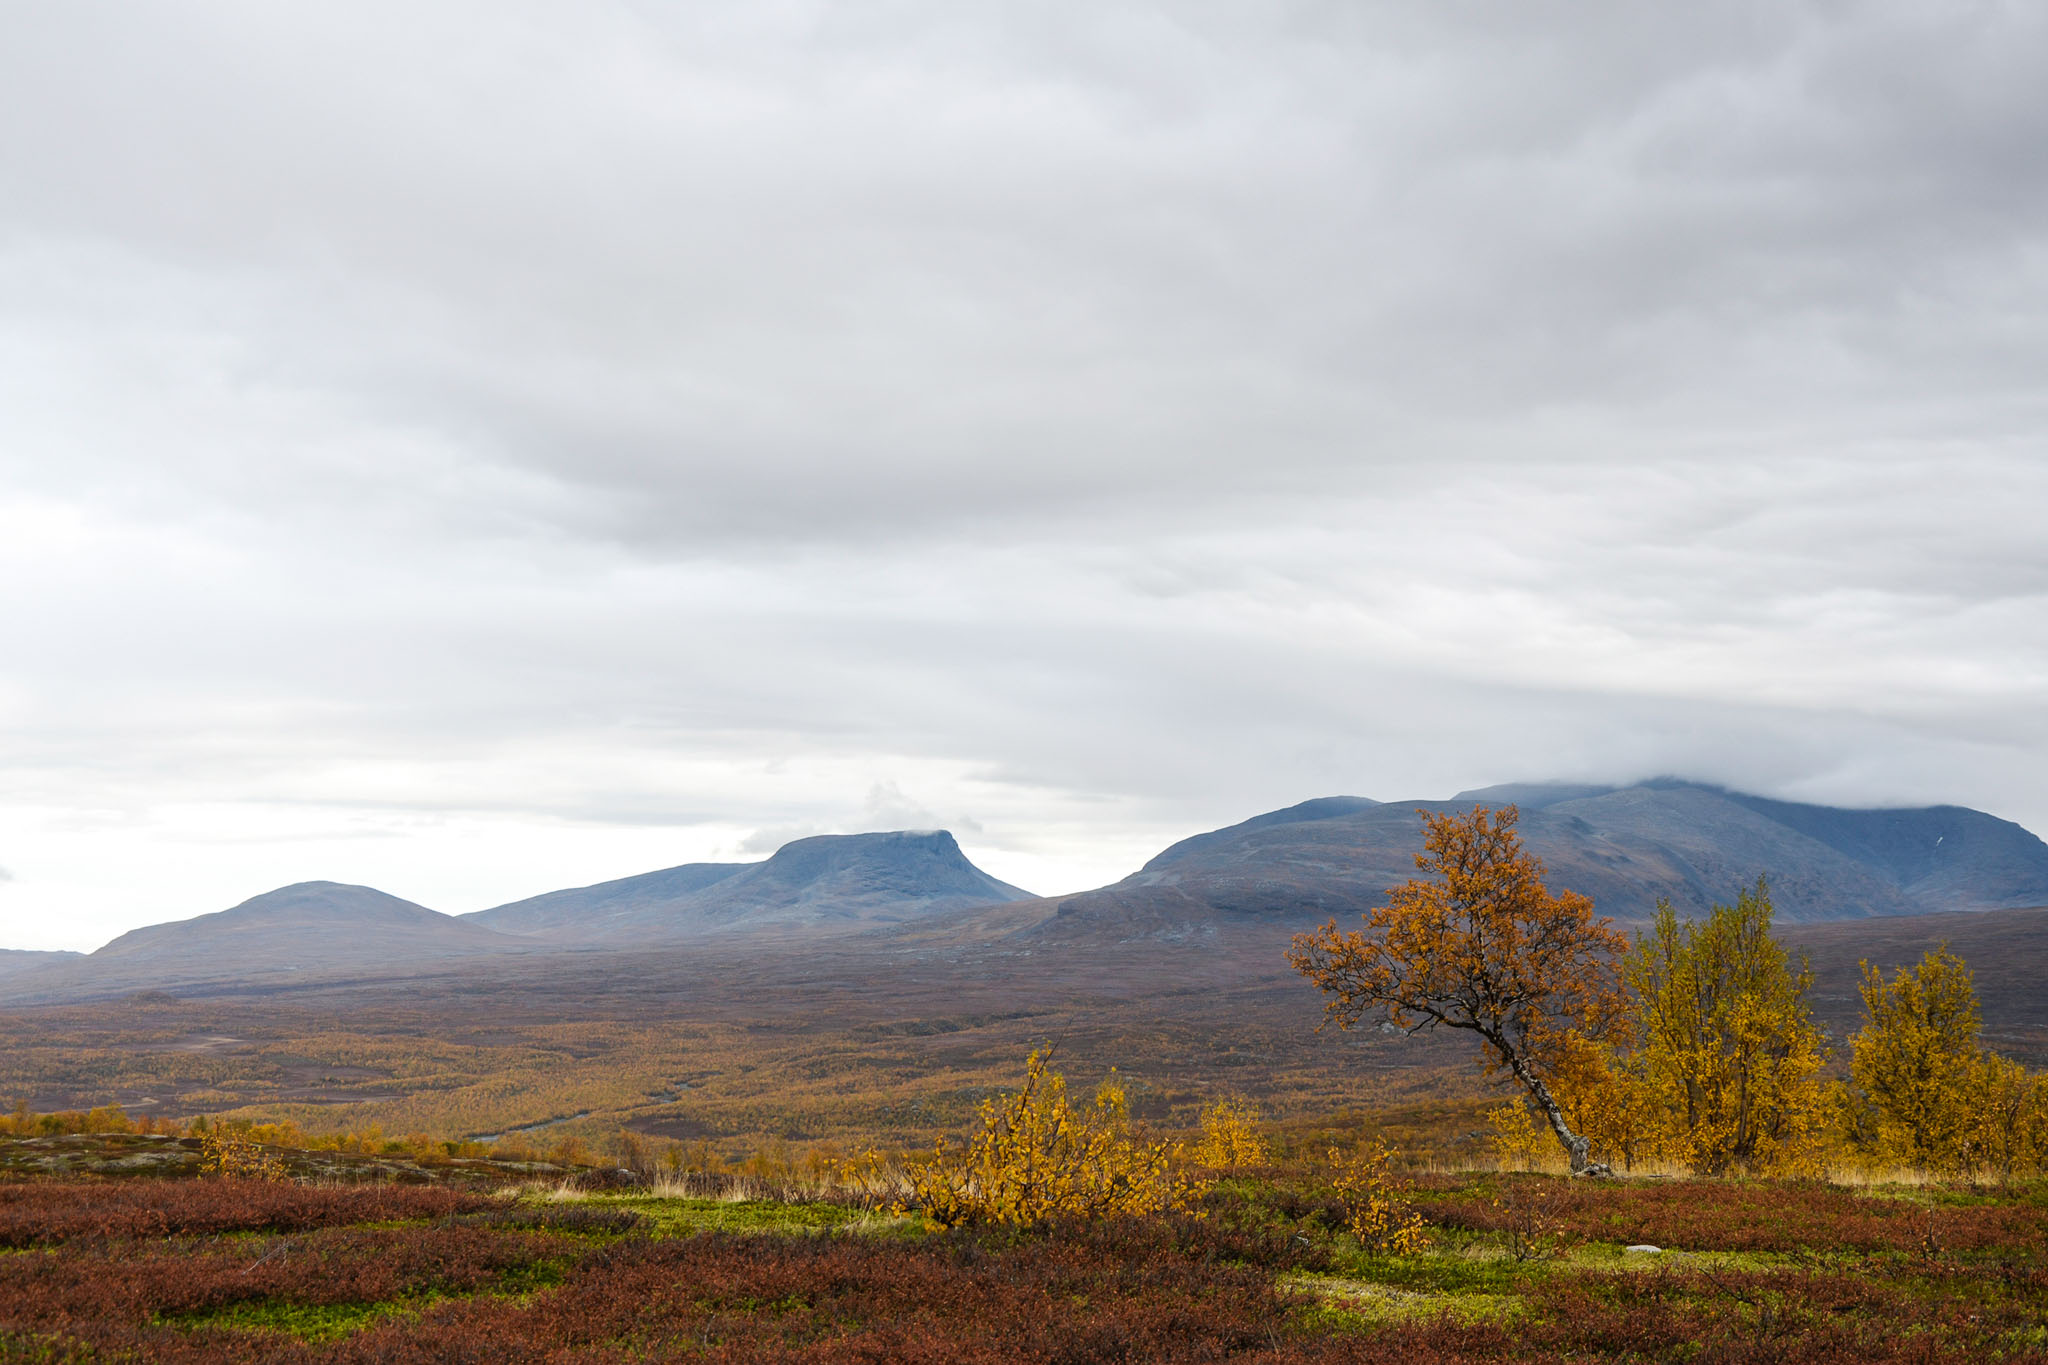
<point x="864" y="1044"/>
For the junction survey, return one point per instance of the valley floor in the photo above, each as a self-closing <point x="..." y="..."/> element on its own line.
<point x="743" y="1053"/>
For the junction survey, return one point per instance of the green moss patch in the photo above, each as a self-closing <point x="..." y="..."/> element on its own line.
<point x="1341" y="1303"/>
<point x="681" y="1217"/>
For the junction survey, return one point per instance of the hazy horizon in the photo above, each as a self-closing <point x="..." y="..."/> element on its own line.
<point x="470" y="450"/>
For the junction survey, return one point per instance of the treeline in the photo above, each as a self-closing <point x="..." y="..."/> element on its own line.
<point x="1714" y="1063"/>
<point x="113" y="1120"/>
<point x="106" y="1118"/>
<point x="248" y="1135"/>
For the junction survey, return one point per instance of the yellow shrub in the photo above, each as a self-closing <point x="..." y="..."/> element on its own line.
<point x="513" y="1147"/>
<point x="1929" y="1093"/>
<point x="867" y="1179"/>
<point x="230" y="1152"/>
<point x="108" y="1118"/>
<point x="698" y="1158"/>
<point x="770" y="1162"/>
<point x="2009" y="1129"/>
<point x="286" y="1134"/>
<point x="1038" y="1157"/>
<point x="1515" y="1139"/>
<point x="570" y="1151"/>
<point x="1379" y="1216"/>
<point x="1228" y="1138"/>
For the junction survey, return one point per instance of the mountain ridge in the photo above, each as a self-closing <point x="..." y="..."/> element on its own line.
<point x="1241" y="889"/>
<point x="1691" y="843"/>
<point x="822" y="886"/>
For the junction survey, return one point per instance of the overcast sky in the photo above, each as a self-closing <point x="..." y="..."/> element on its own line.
<point x="473" y="449"/>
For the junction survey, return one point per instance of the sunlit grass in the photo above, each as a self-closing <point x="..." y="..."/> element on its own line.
<point x="1345" y="1303"/>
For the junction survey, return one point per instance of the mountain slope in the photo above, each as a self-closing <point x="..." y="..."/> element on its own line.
<point x="570" y="912"/>
<point x="322" y="929"/>
<point x="830" y="883"/>
<point x="1722" y="845"/>
<point x="1627" y="847"/>
<point x="1941" y="857"/>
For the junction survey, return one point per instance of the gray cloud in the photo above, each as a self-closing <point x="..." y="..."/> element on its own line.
<point x="470" y="445"/>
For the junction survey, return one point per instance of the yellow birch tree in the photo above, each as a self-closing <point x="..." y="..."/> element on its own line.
<point x="1940" y="1100"/>
<point x="1727" y="1049"/>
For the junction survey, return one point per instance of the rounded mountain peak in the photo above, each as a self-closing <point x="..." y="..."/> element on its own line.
<point x="336" y="900"/>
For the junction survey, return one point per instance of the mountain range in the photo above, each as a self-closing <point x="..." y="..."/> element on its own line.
<point x="1627" y="847"/>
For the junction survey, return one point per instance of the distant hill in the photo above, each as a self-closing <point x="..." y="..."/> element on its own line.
<point x="311" y="928"/>
<point x="1624" y="846"/>
<point x="830" y="883"/>
<point x="14" y="960"/>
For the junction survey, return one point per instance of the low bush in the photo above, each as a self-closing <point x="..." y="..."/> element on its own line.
<point x="224" y="1151"/>
<point x="1037" y="1157"/>
<point x="1377" y="1210"/>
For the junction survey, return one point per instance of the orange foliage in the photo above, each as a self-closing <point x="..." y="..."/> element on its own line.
<point x="1480" y="944"/>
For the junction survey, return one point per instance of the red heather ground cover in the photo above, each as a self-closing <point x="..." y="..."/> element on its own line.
<point x="1157" y="1290"/>
<point x="1727" y="1215"/>
<point x="132" y="1282"/>
<point x="41" y="1213"/>
<point x="1116" y="1293"/>
<point x="1722" y="1319"/>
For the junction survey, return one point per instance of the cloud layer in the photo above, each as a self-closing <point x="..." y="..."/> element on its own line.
<point x="475" y="449"/>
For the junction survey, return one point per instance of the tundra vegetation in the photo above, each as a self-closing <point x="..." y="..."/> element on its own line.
<point x="1772" y="1198"/>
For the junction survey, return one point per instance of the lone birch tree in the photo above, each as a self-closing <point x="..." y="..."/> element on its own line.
<point x="1479" y="944"/>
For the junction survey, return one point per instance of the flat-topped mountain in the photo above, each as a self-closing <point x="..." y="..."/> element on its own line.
<point x="832" y="882"/>
<point x="1625" y="846"/>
